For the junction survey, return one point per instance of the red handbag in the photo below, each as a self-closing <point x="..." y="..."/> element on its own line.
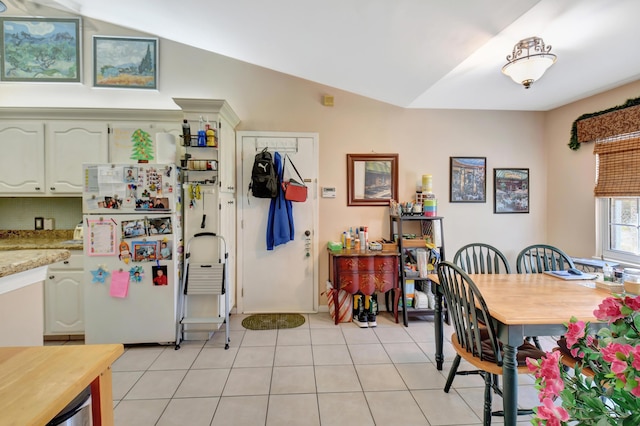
<point x="294" y="190"/>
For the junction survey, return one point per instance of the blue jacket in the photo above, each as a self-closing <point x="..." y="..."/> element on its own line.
<point x="280" y="221"/>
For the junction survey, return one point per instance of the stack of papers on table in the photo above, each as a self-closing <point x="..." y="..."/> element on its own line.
<point x="610" y="286"/>
<point x="565" y="275"/>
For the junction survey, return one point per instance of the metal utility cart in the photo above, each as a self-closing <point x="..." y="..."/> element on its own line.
<point x="208" y="278"/>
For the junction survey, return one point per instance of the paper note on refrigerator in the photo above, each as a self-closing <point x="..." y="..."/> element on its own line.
<point x="119" y="284"/>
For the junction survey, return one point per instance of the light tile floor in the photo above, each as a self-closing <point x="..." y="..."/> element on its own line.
<point x="316" y="374"/>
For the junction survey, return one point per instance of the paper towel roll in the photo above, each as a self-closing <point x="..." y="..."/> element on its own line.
<point x="166" y="148"/>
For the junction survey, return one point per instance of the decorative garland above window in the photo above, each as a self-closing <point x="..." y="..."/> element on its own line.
<point x="622" y="122"/>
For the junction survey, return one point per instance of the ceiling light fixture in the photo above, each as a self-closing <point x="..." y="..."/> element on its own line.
<point x="529" y="60"/>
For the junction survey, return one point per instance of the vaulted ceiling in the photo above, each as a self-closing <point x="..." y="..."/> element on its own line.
<point x="411" y="53"/>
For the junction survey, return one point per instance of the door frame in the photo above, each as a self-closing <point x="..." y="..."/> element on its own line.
<point x="242" y="193"/>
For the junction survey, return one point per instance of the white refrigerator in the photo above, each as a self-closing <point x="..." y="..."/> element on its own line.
<point x="132" y="252"/>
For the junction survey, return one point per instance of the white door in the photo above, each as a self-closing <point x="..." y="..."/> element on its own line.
<point x="283" y="279"/>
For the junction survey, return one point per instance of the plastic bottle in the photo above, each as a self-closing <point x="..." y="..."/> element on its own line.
<point x="607" y="272"/>
<point x="211" y="135"/>
<point x="186" y="133"/>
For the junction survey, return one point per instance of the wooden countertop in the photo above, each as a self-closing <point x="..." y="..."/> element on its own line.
<point x="15" y="261"/>
<point x="36" y="383"/>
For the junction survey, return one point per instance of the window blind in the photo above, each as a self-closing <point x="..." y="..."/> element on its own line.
<point x="618" y="167"/>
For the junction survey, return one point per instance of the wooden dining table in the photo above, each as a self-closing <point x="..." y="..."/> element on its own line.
<point x="525" y="305"/>
<point x="37" y="382"/>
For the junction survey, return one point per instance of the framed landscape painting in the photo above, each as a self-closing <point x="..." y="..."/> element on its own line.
<point x="125" y="62"/>
<point x="40" y="49"/>
<point x="468" y="179"/>
<point x="511" y="190"/>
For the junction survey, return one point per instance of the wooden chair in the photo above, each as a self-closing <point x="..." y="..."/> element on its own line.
<point x="475" y="337"/>
<point x="479" y="258"/>
<point x="538" y="258"/>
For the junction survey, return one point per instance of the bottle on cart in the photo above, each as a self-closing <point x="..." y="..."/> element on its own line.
<point x="186" y="133"/>
<point x="373" y="311"/>
<point x="211" y="134"/>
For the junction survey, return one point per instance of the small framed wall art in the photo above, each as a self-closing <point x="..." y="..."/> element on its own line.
<point x="125" y="62"/>
<point x="468" y="179"/>
<point x="372" y="179"/>
<point x="40" y="49"/>
<point x="511" y="190"/>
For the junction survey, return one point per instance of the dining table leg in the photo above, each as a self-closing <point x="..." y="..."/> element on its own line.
<point x="438" y="328"/>
<point x="510" y="389"/>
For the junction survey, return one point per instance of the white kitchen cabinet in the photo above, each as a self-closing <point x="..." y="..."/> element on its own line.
<point x="22" y="159"/>
<point x="45" y="157"/>
<point x="69" y="145"/>
<point x="64" y="297"/>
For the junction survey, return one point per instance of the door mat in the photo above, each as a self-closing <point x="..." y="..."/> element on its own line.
<point x="272" y="321"/>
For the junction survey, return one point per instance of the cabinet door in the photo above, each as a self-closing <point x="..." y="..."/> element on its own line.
<point x="228" y="231"/>
<point x="227" y="157"/>
<point x="64" y="303"/>
<point x="69" y="144"/>
<point x="22" y="159"/>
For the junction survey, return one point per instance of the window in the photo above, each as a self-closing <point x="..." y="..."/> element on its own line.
<point x="619" y="229"/>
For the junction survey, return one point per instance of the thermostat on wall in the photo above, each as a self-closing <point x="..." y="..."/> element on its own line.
<point x="328" y="192"/>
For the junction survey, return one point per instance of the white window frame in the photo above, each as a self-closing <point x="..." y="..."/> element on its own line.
<point x="603" y="237"/>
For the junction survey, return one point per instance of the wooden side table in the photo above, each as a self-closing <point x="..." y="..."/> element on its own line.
<point x="364" y="272"/>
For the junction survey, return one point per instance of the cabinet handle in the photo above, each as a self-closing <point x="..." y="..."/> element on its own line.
<point x="51" y="277"/>
<point x="66" y="262"/>
<point x="53" y="188"/>
<point x="37" y="188"/>
<point x="229" y="202"/>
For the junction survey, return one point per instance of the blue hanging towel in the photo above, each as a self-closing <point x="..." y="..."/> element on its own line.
<point x="280" y="221"/>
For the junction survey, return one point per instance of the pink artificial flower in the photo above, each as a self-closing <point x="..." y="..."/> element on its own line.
<point x="636" y="391"/>
<point x="633" y="302"/>
<point x="636" y="357"/>
<point x="609" y="352"/>
<point x="577" y="353"/>
<point x="618" y="367"/>
<point x="547" y="370"/>
<point x="575" y="331"/>
<point x="552" y="414"/>
<point x="532" y="364"/>
<point x="609" y="310"/>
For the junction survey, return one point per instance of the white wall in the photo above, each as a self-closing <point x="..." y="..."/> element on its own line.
<point x="270" y="101"/>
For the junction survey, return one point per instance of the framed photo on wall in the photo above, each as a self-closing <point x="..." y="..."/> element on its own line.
<point x="511" y="190"/>
<point x="468" y="182"/>
<point x="372" y="179"/>
<point x="125" y="62"/>
<point x="40" y="49"/>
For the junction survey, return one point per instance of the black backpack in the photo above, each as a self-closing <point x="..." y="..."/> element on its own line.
<point x="264" y="183"/>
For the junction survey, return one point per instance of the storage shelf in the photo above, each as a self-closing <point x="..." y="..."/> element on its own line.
<point x="427" y="227"/>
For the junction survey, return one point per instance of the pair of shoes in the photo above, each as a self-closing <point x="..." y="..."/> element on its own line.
<point x="361" y="320"/>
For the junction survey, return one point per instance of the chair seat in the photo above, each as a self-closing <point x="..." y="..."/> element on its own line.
<point x="526" y="350"/>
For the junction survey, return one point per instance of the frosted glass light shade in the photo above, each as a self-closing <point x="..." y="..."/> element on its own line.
<point x="529" y="61"/>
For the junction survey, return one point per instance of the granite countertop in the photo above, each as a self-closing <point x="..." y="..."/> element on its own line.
<point x="15" y="261"/>
<point x="39" y="240"/>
